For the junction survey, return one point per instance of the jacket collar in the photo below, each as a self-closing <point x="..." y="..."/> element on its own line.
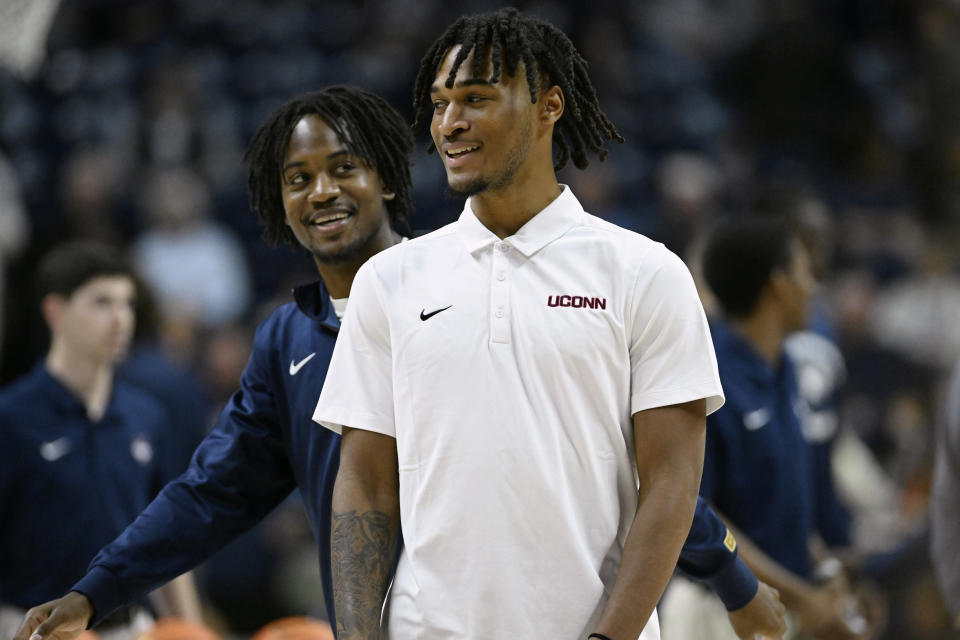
<point x="314" y="302"/>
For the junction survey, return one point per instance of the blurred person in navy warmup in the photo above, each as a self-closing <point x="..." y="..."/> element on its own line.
<point x="81" y="452"/>
<point x="759" y="470"/>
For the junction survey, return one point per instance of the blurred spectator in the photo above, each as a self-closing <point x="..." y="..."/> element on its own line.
<point x="917" y="316"/>
<point x="197" y="267"/>
<point x="689" y="186"/>
<point x="946" y="498"/>
<point x="14" y="230"/>
<point x="90" y="193"/>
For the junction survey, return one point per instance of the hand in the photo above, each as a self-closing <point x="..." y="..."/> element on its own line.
<point x="827" y="614"/>
<point x="763" y="616"/>
<point x="61" y="619"/>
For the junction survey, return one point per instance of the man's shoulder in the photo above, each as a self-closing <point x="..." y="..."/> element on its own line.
<point x="285" y="323"/>
<point x="413" y="252"/>
<point x="629" y="244"/>
<point x="283" y="316"/>
<point x="135" y="401"/>
<point x="23" y="393"/>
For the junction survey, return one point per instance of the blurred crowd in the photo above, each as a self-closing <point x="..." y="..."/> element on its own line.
<point x="842" y="112"/>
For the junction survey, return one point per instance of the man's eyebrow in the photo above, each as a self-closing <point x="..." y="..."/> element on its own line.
<point x="467" y="82"/>
<point x="300" y="163"/>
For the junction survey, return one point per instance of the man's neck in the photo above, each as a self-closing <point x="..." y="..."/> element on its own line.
<point x="91" y="382"/>
<point x="338" y="278"/>
<point x="504" y="211"/>
<point x="764" y="331"/>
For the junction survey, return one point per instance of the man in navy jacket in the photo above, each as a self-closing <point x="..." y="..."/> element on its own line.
<point x="328" y="171"/>
<point x="759" y="471"/>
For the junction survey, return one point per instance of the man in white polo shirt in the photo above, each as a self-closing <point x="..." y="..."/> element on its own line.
<point x="503" y="383"/>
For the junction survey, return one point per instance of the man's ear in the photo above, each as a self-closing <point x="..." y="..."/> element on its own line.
<point x="51" y="306"/>
<point x="779" y="285"/>
<point x="551" y="105"/>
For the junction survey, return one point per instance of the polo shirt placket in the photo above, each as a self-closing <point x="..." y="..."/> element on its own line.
<point x="500" y="293"/>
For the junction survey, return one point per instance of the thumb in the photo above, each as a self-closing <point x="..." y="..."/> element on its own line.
<point x="45" y="630"/>
<point x="57" y="627"/>
<point x="31" y="621"/>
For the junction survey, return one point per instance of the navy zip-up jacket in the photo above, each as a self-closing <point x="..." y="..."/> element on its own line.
<point x="264" y="445"/>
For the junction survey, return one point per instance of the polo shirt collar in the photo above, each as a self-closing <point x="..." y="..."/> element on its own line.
<point x="63" y="399"/>
<point x="550" y="223"/>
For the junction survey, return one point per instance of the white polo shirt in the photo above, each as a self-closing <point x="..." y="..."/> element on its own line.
<point x="508" y="372"/>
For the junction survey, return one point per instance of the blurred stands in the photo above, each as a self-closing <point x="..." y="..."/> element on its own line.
<point x="851" y="103"/>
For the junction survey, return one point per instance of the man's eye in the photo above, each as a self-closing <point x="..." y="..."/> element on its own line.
<point x="476" y="98"/>
<point x="345" y="167"/>
<point x="438" y="105"/>
<point x="297" y="178"/>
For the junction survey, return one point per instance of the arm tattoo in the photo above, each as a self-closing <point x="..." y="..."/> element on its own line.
<point x="363" y="548"/>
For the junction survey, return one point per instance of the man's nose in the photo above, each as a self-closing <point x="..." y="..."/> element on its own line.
<point x="453" y="121"/>
<point x="325" y="188"/>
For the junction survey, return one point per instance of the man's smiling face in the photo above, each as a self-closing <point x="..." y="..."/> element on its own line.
<point x="334" y="202"/>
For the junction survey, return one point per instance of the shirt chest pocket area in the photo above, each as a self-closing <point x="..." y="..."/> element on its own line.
<point x="441" y="330"/>
<point x="579" y="332"/>
<point x="761" y="454"/>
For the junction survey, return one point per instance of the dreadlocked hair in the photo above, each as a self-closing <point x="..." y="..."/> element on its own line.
<point x="508" y="38"/>
<point x="368" y="127"/>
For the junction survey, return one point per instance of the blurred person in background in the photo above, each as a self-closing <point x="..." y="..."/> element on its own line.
<point x="196" y="266"/>
<point x="91" y="196"/>
<point x="759" y="471"/>
<point x="945" y="501"/>
<point x="81" y="451"/>
<point x="14" y="230"/>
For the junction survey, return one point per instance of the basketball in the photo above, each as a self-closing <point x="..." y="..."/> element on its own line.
<point x="177" y="629"/>
<point x="295" y="628"/>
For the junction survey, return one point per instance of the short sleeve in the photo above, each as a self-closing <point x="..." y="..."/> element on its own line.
<point x="358" y="391"/>
<point x="671" y="354"/>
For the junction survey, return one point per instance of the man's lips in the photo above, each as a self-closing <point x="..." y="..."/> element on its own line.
<point x="329" y="221"/>
<point x="458" y="153"/>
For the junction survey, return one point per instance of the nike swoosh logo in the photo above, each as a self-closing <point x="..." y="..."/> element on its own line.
<point x="294" y="368"/>
<point x="55" y="449"/>
<point x="427" y="316"/>
<point x="756" y="419"/>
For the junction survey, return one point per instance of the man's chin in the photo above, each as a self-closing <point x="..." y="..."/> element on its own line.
<point x="344" y="253"/>
<point x="467" y="189"/>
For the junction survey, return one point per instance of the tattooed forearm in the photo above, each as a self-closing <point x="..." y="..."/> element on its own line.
<point x="363" y="547"/>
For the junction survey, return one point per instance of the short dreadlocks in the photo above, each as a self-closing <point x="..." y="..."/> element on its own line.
<point x="366" y="125"/>
<point x="510" y="37"/>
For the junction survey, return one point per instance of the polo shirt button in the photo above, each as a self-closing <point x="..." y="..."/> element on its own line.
<point x="501" y="276"/>
<point x="499" y="314"/>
